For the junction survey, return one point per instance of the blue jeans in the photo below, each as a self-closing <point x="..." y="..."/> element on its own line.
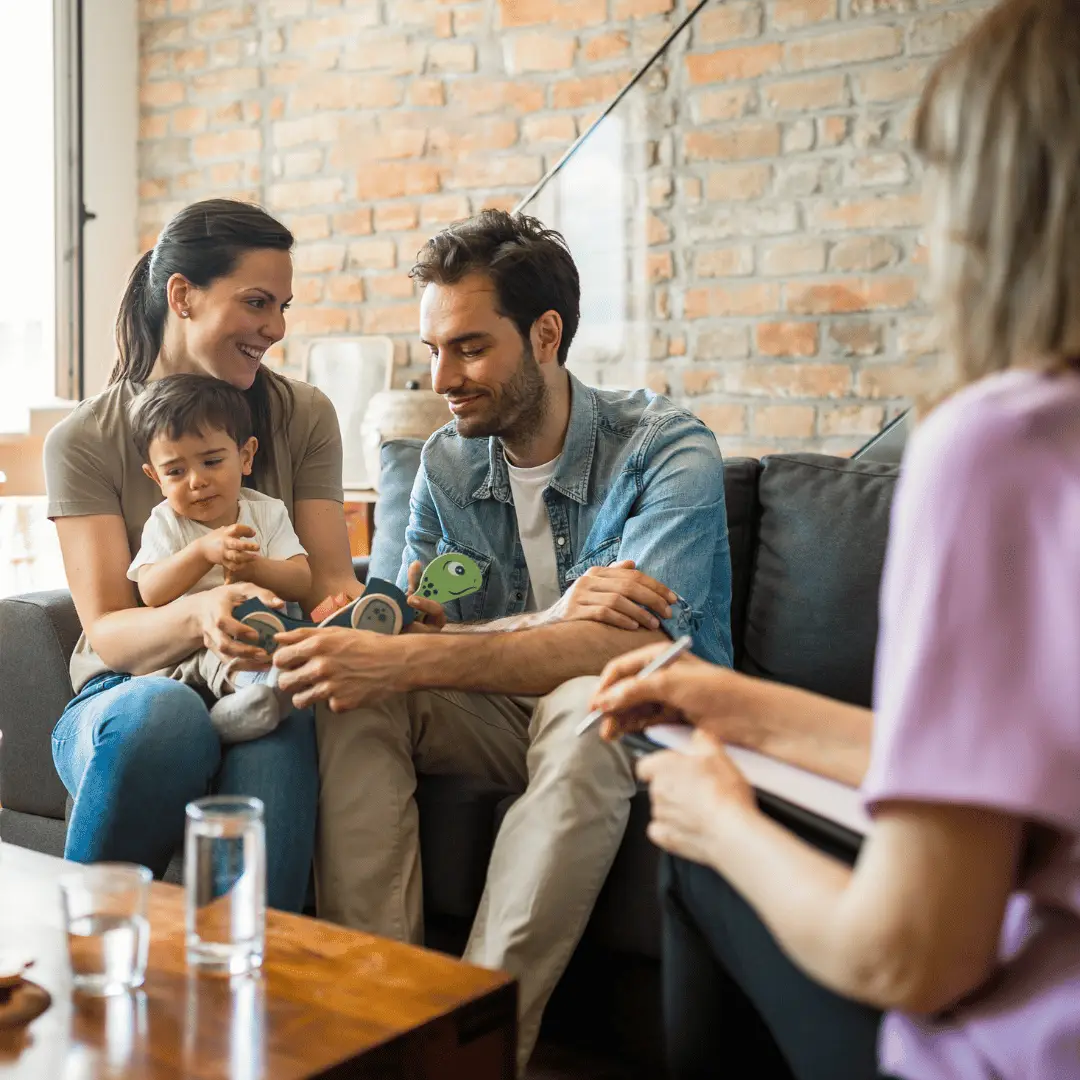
<point x="133" y="752"/>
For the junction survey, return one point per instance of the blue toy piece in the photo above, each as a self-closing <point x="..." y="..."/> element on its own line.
<point x="383" y="609"/>
<point x="266" y="621"/>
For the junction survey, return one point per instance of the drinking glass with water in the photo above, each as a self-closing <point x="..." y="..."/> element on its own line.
<point x="225" y="883"/>
<point x="107" y="929"/>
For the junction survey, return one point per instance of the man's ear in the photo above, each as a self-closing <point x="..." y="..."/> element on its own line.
<point x="148" y="470"/>
<point x="546" y="337"/>
<point x="247" y="455"/>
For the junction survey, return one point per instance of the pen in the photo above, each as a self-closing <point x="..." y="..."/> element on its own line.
<point x="668" y="656"/>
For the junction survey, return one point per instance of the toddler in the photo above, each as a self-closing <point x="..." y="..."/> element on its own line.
<point x="194" y="434"/>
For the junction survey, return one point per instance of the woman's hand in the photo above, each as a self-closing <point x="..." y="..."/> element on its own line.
<point x="225" y="635"/>
<point x="689" y="792"/>
<point x="617" y="595"/>
<point x="432" y="616"/>
<point x="689" y="691"/>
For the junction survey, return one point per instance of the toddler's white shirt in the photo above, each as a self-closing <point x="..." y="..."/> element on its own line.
<point x="166" y="532"/>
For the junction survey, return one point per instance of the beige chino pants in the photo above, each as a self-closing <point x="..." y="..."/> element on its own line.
<point x="552" y="853"/>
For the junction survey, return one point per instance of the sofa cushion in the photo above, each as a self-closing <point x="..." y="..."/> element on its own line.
<point x="399" y="462"/>
<point x="812" y="611"/>
<point x="38" y="633"/>
<point x="44" y="834"/>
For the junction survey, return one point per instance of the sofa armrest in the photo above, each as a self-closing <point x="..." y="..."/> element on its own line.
<point x="38" y="632"/>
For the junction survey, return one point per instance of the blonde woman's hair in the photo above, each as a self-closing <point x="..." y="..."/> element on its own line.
<point x="999" y="129"/>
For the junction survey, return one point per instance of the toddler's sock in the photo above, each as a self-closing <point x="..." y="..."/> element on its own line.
<point x="254" y="710"/>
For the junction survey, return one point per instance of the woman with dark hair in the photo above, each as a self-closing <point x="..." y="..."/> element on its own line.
<point x="209" y="299"/>
<point x="960" y="922"/>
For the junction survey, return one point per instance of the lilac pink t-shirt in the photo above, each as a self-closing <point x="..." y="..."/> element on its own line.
<point x="977" y="694"/>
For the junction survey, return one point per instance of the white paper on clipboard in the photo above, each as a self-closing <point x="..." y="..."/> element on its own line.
<point x="827" y="799"/>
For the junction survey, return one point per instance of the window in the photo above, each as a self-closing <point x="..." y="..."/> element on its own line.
<point x="38" y="195"/>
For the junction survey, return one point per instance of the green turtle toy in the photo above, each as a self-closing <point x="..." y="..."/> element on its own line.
<point x="450" y="577"/>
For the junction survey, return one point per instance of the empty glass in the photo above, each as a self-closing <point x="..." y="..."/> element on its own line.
<point x="107" y="929"/>
<point x="225" y="883"/>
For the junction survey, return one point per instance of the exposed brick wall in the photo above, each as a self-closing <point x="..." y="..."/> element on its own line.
<point x="367" y="124"/>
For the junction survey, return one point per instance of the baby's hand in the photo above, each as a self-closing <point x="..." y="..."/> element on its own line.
<point x="241" y="568"/>
<point x="229" y="547"/>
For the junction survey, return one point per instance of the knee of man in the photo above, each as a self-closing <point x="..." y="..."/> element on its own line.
<point x="554" y="735"/>
<point x="567" y="704"/>
<point x="166" y="722"/>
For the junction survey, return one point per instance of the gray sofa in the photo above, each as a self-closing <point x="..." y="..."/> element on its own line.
<point x="808" y="537"/>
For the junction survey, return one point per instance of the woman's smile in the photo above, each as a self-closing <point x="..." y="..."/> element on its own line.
<point x="252" y="352"/>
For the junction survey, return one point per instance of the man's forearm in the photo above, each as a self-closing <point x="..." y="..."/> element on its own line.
<point x="532" y="662"/>
<point x="527" y="620"/>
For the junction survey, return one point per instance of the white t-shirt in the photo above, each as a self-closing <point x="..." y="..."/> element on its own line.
<point x="534" y="527"/>
<point x="166" y="532"/>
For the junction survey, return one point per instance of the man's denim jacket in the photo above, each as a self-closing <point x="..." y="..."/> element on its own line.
<point x="639" y="478"/>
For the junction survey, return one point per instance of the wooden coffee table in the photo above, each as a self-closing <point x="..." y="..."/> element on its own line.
<point x="329" y="1002"/>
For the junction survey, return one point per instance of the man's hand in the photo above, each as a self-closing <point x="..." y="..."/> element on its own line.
<point x="431" y="616"/>
<point x="230" y="548"/>
<point x="617" y="595"/>
<point x="344" y="668"/>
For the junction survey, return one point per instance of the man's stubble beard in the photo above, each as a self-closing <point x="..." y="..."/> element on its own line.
<point x="522" y="406"/>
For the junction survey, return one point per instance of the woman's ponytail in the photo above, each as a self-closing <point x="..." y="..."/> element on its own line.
<point x="140" y="325"/>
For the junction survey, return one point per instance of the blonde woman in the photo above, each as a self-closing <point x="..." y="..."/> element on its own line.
<point x="961" y="919"/>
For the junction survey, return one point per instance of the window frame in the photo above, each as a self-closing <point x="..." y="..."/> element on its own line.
<point x="70" y="210"/>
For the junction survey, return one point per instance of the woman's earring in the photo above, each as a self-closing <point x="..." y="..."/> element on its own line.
<point x="184" y="314"/>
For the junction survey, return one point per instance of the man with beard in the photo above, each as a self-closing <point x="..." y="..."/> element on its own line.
<point x="597" y="519"/>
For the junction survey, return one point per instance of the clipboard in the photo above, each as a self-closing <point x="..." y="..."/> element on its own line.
<point x="810" y="804"/>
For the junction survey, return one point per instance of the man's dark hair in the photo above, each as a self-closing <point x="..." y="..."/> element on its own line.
<point x="530" y="266"/>
<point x="181" y="405"/>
